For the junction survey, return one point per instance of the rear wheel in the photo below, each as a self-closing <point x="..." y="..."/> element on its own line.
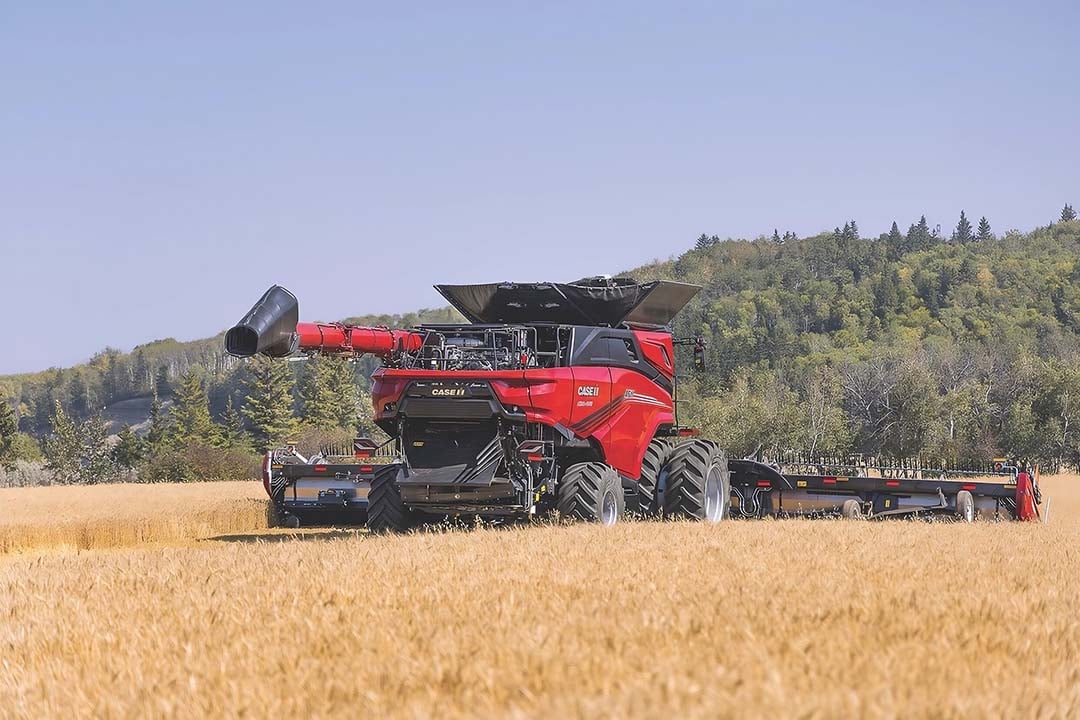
<point x="965" y="506"/>
<point x="592" y="492"/>
<point x="653" y="476"/>
<point x="698" y="483"/>
<point x="852" y="509"/>
<point x="386" y="511"/>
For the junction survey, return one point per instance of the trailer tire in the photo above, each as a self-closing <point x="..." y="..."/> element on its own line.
<point x="654" y="468"/>
<point x="698" y="483"/>
<point x="387" y="513"/>
<point x="852" y="510"/>
<point x="965" y="506"/>
<point x="592" y="492"/>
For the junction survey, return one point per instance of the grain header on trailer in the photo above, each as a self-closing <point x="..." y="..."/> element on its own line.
<point x="552" y="397"/>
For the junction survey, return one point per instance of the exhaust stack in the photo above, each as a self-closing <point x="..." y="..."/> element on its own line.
<point x="268" y="328"/>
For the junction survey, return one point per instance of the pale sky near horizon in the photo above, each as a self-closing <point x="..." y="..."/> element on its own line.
<point x="162" y="164"/>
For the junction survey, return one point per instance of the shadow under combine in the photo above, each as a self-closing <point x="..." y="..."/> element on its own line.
<point x="279" y="536"/>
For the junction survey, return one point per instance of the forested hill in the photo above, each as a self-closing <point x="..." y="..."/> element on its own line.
<point x="960" y="345"/>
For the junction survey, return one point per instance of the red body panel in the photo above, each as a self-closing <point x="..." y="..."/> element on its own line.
<point x="620" y="410"/>
<point x="1025" y="498"/>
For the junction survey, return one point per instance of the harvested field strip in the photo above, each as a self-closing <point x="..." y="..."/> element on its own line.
<point x="766" y="619"/>
<point x="124" y="515"/>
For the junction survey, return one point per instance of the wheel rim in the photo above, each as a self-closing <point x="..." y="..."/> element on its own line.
<point x="609" y="509"/>
<point x="714" y="495"/>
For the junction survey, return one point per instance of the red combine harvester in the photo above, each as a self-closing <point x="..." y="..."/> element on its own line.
<point x="556" y="397"/>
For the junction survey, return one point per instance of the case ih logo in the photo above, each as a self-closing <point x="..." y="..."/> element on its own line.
<point x="447" y="392"/>
<point x="588" y="390"/>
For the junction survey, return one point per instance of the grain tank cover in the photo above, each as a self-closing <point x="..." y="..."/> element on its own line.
<point x="590" y="301"/>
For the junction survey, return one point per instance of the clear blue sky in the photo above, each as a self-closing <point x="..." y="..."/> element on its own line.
<point x="160" y="166"/>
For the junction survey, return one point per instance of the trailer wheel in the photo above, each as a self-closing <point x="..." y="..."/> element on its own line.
<point x="653" y="476"/>
<point x="698" y="483"/>
<point x="386" y="511"/>
<point x="965" y="506"/>
<point x="852" y="510"/>
<point x="591" y="491"/>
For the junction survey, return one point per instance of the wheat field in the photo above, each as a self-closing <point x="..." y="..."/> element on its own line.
<point x="121" y="515"/>
<point x="765" y="619"/>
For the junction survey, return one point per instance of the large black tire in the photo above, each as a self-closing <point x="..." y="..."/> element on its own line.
<point x="653" y="470"/>
<point x="698" y="483"/>
<point x="386" y="511"/>
<point x="592" y="492"/>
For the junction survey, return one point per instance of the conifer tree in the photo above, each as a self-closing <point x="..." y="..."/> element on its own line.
<point x="269" y="404"/>
<point x="329" y="393"/>
<point x="894" y="242"/>
<point x="191" y="413"/>
<point x="129" y="448"/>
<point x="776" y="236"/>
<point x="919" y="236"/>
<point x="984" y="233"/>
<point x="962" y="235"/>
<point x="1067" y="213"/>
<point x="9" y="428"/>
<point x="79" y="452"/>
<point x="231" y="431"/>
<point x="155" y="436"/>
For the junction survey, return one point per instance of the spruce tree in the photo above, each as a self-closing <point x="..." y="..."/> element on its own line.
<point x="919" y="236"/>
<point x="231" y="431"/>
<point x="191" y="414"/>
<point x="79" y="452"/>
<point x="1067" y="213"/>
<point x="269" y="404"/>
<point x="962" y="235"/>
<point x="984" y="233"/>
<point x="159" y="427"/>
<point x="894" y="242"/>
<point x="129" y="448"/>
<point x="329" y="393"/>
<point x="9" y="428"/>
<point x="776" y="236"/>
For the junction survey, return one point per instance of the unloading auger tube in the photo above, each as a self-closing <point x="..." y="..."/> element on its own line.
<point x="551" y="398"/>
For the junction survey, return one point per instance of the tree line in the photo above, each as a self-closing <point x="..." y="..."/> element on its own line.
<point x="958" y="347"/>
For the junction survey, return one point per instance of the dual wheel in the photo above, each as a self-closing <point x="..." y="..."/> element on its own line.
<point x="689" y="481"/>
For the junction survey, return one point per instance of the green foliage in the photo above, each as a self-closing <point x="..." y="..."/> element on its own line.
<point x="129" y="448"/>
<point x="962" y="234"/>
<point x="191" y="413"/>
<point x="269" y="406"/>
<point x="231" y="433"/>
<point x="78" y="452"/>
<point x="329" y="393"/>
<point x="984" y="233"/>
<point x="1067" y="213"/>
<point x="9" y="429"/>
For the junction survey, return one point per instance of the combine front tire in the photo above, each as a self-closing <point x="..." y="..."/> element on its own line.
<point x="698" y="483"/>
<point x="386" y="511"/>
<point x="653" y="472"/>
<point x="592" y="492"/>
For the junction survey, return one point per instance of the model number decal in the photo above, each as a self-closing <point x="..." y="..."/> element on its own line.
<point x="588" y="390"/>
